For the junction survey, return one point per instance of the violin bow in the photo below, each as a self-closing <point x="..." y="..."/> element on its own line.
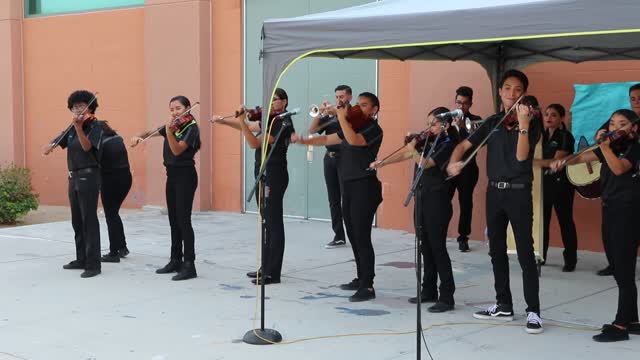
<point x="475" y="151"/>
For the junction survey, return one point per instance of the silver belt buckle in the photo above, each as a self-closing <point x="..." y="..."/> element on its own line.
<point x="502" y="185"/>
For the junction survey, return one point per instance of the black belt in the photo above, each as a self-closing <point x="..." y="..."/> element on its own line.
<point x="504" y="185"/>
<point x="333" y="154"/>
<point x="84" y="171"/>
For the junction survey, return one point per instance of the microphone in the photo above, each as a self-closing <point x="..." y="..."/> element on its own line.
<point x="290" y="112"/>
<point x="455" y="114"/>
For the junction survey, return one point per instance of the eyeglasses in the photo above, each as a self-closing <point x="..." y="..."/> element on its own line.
<point x="463" y="103"/>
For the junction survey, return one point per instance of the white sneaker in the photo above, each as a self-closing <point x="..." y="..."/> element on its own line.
<point x="534" y="323"/>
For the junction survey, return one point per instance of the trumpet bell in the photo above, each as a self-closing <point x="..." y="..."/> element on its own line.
<point x="314" y="110"/>
<point x="472" y="125"/>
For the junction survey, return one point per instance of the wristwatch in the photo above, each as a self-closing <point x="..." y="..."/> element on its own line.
<point x="524" y="131"/>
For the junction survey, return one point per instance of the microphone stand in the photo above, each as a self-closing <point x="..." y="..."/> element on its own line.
<point x="263" y="336"/>
<point x="418" y="244"/>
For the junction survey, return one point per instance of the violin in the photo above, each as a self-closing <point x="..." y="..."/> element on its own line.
<point x="421" y="138"/>
<point x="535" y="113"/>
<point x="56" y="141"/>
<point x="178" y="123"/>
<point x="356" y="117"/>
<point x="252" y="114"/>
<point x="184" y="118"/>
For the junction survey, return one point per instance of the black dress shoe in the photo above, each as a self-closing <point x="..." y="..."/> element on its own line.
<point x="267" y="280"/>
<point x="90" y="273"/>
<point x="424" y="298"/>
<point x="74" y="265"/>
<point x="440" y="307"/>
<point x="568" y="268"/>
<point x="111" y="257"/>
<point x="363" y="294"/>
<point x="123" y="252"/>
<point x="611" y="333"/>
<point x="463" y="245"/>
<point x="172" y="266"/>
<point x="353" y="285"/>
<point x="187" y="271"/>
<point x="608" y="271"/>
<point x="253" y="274"/>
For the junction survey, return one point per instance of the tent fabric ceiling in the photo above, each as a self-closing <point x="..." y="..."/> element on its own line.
<point x="496" y="34"/>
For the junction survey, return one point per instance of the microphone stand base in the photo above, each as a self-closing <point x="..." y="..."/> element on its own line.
<point x="262" y="337"/>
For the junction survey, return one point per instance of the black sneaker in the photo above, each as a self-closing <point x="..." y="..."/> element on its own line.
<point x="440" y="307"/>
<point x="254" y="274"/>
<point x="568" y="268"/>
<point x="611" y="333"/>
<point x="634" y="328"/>
<point x="336" y="243"/>
<point x="123" y="252"/>
<point x="534" y="323"/>
<point x="608" y="271"/>
<point x="424" y="298"/>
<point x="111" y="257"/>
<point x="267" y="280"/>
<point x="496" y="312"/>
<point x="172" y="266"/>
<point x="90" y="273"/>
<point x="363" y="294"/>
<point x="353" y="285"/>
<point x="74" y="265"/>
<point x="463" y="246"/>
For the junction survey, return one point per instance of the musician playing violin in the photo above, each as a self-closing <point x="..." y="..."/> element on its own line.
<point x="359" y="139"/>
<point x="510" y="149"/>
<point x="277" y="177"/>
<point x="181" y="143"/>
<point x="433" y="197"/>
<point x="83" y="141"/>
<point x="620" y="206"/>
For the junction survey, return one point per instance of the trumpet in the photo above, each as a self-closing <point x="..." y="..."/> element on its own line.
<point x="314" y="110"/>
<point x="472" y="124"/>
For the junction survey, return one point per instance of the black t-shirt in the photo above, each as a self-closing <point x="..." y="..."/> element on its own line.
<point x="433" y="178"/>
<point x="190" y="134"/>
<point x="279" y="156"/>
<point x="113" y="154"/>
<point x="560" y="140"/>
<point x="464" y="133"/>
<point x="624" y="188"/>
<point x="77" y="158"/>
<point x="332" y="128"/>
<point x="356" y="159"/>
<point x="502" y="164"/>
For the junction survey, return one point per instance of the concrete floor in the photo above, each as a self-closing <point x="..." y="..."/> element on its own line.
<point x="129" y="312"/>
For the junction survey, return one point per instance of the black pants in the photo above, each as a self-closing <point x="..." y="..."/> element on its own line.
<point x="515" y="206"/>
<point x="434" y="211"/>
<point x="84" y="187"/>
<point x="277" y="181"/>
<point x="180" y="190"/>
<point x="558" y="194"/>
<point x="332" y="179"/>
<point x="360" y="200"/>
<point x="465" y="184"/>
<point x="115" y="187"/>
<point x="619" y="221"/>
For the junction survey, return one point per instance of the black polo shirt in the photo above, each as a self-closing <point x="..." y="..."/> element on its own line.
<point x="332" y="128"/>
<point x="560" y="140"/>
<point x="356" y="159"/>
<point x="502" y="164"/>
<point x="77" y="158"/>
<point x="624" y="188"/>
<point x="190" y="134"/>
<point x="113" y="155"/>
<point x="464" y="133"/>
<point x="433" y="178"/>
<point x="279" y="156"/>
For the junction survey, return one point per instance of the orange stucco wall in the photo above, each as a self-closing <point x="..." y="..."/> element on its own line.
<point x="82" y="51"/>
<point x="195" y="48"/>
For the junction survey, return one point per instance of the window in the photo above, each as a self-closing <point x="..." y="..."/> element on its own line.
<point x="50" y="7"/>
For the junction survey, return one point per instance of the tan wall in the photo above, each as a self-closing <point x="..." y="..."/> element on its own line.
<point x="11" y="106"/>
<point x="226" y="143"/>
<point x="82" y="51"/>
